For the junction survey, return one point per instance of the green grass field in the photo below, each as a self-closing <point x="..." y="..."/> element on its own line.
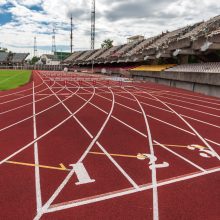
<point x="11" y="79"/>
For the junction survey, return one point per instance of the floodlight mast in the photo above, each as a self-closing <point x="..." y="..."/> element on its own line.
<point x="35" y="46"/>
<point x="71" y="34"/>
<point x="54" y="41"/>
<point x="93" y="25"/>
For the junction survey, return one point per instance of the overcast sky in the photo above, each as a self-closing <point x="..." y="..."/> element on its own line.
<point x="21" y="20"/>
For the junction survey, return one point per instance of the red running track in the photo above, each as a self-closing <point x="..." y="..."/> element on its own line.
<point x="80" y="146"/>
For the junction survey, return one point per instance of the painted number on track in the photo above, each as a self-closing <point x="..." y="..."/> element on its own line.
<point x="82" y="174"/>
<point x="152" y="159"/>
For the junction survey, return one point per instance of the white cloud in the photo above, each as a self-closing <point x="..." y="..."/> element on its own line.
<point x="116" y="19"/>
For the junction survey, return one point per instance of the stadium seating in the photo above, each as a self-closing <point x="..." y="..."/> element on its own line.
<point x="96" y="54"/>
<point x="3" y="57"/>
<point x="213" y="67"/>
<point x="85" y="55"/>
<point x="109" y="52"/>
<point x="153" y="68"/>
<point x="163" y="41"/>
<point x="126" y="48"/>
<point x="73" y="57"/>
<point x="19" y="57"/>
<point x="141" y="46"/>
<point x="190" y="40"/>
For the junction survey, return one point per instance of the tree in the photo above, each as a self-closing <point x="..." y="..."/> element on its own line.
<point x="3" y="49"/>
<point x="34" y="60"/>
<point x="108" y="43"/>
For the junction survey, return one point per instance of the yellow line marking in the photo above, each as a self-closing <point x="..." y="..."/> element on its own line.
<point x="140" y="155"/>
<point x="62" y="167"/>
<point x="115" y="155"/>
<point x="182" y="146"/>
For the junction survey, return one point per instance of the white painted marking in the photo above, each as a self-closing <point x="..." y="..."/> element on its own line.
<point x="193" y="129"/>
<point x="36" y="159"/>
<point x="213" y="142"/>
<point x="178" y="155"/>
<point x="12" y="100"/>
<point x="20" y="91"/>
<point x="185" y="116"/>
<point x="100" y="198"/>
<point x="153" y="170"/>
<point x="131" y="181"/>
<point x="198" y="97"/>
<point x="161" y="165"/>
<point x="25" y="119"/>
<point x="179" y="100"/>
<point x="22" y="106"/>
<point x="195" y="110"/>
<point x="45" y="134"/>
<point x="82" y="174"/>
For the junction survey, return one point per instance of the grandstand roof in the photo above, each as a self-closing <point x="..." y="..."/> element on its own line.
<point x="194" y="39"/>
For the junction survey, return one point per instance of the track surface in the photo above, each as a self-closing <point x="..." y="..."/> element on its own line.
<point x="76" y="146"/>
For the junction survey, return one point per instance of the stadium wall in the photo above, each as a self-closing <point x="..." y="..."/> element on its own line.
<point x="205" y="83"/>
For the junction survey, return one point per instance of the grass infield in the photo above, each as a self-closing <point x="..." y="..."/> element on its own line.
<point x="11" y="79"/>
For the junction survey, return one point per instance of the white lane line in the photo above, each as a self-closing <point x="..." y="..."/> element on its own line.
<point x="22" y="106"/>
<point x="153" y="170"/>
<point x="167" y="122"/>
<point x="157" y="119"/>
<point x="131" y="181"/>
<point x="178" y="100"/>
<point x="12" y="100"/>
<point x="213" y="142"/>
<point x="187" y="98"/>
<point x="129" y="126"/>
<point x="45" y="134"/>
<point x="187" y="123"/>
<point x="25" y="119"/>
<point x="99" y="198"/>
<point x="47" y="204"/>
<point x="132" y="109"/>
<point x="195" y="110"/>
<point x="20" y="91"/>
<point x="142" y="134"/>
<point x="117" y="119"/>
<point x="203" y="122"/>
<point x="59" y="189"/>
<point x="185" y="116"/>
<point x="164" y="122"/>
<point x="198" y="97"/>
<point x="36" y="158"/>
<point x="100" y="131"/>
<point x="178" y="155"/>
<point x="70" y="112"/>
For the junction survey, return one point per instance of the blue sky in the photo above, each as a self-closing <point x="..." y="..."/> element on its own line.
<point x="22" y="20"/>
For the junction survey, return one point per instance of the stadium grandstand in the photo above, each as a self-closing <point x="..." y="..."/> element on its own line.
<point x="8" y="59"/>
<point x="19" y="58"/>
<point x="200" y="40"/>
<point x="194" y="48"/>
<point x="3" y="58"/>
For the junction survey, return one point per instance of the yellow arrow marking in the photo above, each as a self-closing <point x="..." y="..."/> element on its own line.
<point x="142" y="156"/>
<point x="62" y="167"/>
<point x="115" y="155"/>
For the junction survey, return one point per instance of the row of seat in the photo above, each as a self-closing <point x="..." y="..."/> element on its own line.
<point x="212" y="67"/>
<point x="13" y="58"/>
<point x="153" y="68"/>
<point x="165" y="44"/>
